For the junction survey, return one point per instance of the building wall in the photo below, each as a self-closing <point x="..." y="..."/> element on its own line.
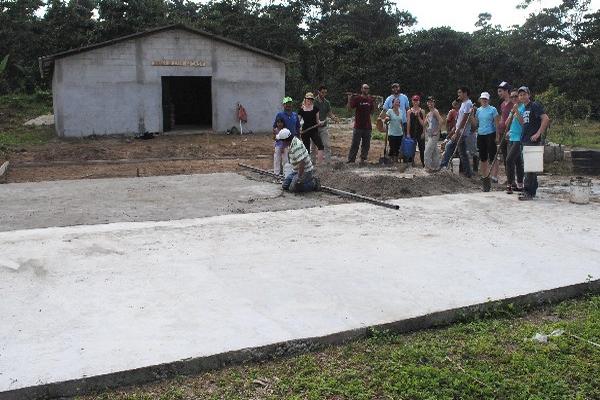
<point x="117" y="90"/>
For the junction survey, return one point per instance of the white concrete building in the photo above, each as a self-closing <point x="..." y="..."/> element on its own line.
<point x="165" y="79"/>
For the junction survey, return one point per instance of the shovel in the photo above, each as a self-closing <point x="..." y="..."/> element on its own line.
<point x="460" y="137"/>
<point x="385" y="160"/>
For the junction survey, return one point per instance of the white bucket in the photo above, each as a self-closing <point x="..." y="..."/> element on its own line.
<point x="581" y="189"/>
<point x="533" y="158"/>
<point x="456" y="166"/>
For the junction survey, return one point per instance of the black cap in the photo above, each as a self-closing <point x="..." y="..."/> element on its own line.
<point x="505" y="86"/>
<point x="524" y="89"/>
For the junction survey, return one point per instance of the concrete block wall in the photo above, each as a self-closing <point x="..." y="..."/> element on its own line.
<point x="117" y="90"/>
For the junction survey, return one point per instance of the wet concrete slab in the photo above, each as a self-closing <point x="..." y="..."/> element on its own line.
<point x="158" y="198"/>
<point x="98" y="299"/>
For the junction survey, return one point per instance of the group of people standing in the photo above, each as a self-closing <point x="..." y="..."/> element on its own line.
<point x="480" y="134"/>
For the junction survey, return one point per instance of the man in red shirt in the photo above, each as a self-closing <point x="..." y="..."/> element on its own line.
<point x="452" y="116"/>
<point x="507" y="105"/>
<point x="363" y="106"/>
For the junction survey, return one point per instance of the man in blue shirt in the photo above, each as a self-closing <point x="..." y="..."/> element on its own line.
<point x="290" y="118"/>
<point x="535" y="123"/>
<point x="404" y="104"/>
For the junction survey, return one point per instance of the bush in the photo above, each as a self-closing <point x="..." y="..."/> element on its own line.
<point x="561" y="108"/>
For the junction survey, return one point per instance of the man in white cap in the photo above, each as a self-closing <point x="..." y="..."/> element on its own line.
<point x="302" y="178"/>
<point x="486" y="118"/>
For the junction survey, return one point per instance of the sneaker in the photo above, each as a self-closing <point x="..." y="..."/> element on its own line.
<point x="525" y="197"/>
<point x="509" y="189"/>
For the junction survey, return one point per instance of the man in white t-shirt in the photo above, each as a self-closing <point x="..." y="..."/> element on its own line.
<point x="461" y="133"/>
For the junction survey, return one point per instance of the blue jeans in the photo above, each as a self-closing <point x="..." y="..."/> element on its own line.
<point x="291" y="182"/>
<point x="462" y="153"/>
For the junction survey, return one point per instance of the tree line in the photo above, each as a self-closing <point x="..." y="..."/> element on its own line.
<point x="339" y="43"/>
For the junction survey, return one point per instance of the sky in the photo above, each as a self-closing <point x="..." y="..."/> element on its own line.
<point x="461" y="15"/>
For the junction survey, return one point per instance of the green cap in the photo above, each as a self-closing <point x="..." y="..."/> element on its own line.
<point x="286" y="99"/>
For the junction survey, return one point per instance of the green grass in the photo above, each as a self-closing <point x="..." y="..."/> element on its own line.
<point x="491" y="357"/>
<point x="15" y="109"/>
<point x="585" y="134"/>
<point x="377" y="135"/>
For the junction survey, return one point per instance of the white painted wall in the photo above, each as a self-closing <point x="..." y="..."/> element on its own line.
<point x="117" y="90"/>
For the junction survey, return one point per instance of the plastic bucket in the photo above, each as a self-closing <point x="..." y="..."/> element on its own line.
<point x="533" y="158"/>
<point x="456" y="166"/>
<point x="581" y="189"/>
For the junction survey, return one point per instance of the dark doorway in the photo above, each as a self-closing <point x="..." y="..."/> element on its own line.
<point x="187" y="103"/>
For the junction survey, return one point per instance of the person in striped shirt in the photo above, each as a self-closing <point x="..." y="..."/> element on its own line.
<point x="302" y="178"/>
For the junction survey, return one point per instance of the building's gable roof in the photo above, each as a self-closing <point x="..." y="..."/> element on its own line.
<point x="46" y="63"/>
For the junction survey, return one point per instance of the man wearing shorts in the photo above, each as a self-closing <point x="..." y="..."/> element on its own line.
<point x="486" y="118"/>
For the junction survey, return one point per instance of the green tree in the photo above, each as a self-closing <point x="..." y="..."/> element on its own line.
<point x="21" y="36"/>
<point x="68" y="25"/>
<point x="123" y="17"/>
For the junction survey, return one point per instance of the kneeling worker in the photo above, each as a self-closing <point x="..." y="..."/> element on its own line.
<point x="301" y="179"/>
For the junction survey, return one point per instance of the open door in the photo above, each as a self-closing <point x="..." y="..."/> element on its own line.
<point x="187" y="103"/>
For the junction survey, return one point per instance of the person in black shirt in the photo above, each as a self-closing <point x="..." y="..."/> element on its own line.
<point x="310" y="127"/>
<point x="416" y="123"/>
<point x="535" y="123"/>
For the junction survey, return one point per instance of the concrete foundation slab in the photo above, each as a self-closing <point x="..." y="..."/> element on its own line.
<point x="89" y="300"/>
<point x="158" y="198"/>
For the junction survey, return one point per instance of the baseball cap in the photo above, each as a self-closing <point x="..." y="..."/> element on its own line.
<point x="286" y="99"/>
<point x="504" y="85"/>
<point x="524" y="89"/>
<point x="309" y="95"/>
<point x="485" y="95"/>
<point x="283" y="134"/>
<point x="431" y="98"/>
<point x="416" y="97"/>
<point x="395" y="84"/>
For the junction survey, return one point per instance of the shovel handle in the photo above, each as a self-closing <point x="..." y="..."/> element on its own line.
<point x="308" y="129"/>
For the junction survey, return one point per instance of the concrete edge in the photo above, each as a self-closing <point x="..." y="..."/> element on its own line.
<point x="77" y="387"/>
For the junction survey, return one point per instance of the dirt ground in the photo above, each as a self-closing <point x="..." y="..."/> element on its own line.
<point x="395" y="182"/>
<point x="107" y="157"/>
<point x="103" y="157"/>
